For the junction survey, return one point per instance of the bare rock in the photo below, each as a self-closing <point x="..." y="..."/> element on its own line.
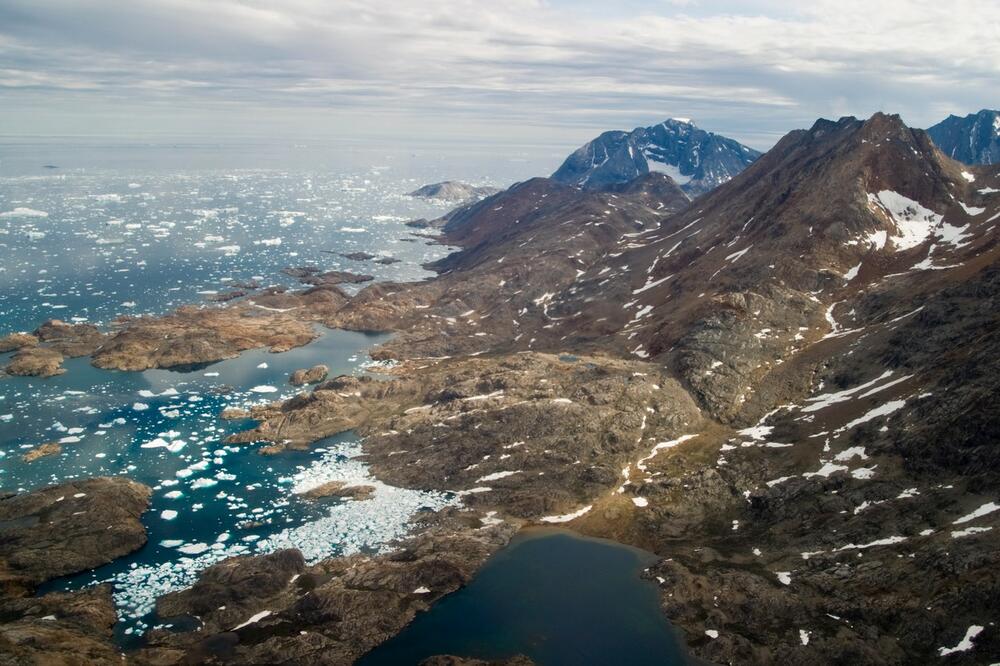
<point x="42" y="450"/>
<point x="59" y="628"/>
<point x="190" y="337"/>
<point x="313" y="375"/>
<point x="63" y="529"/>
<point x="71" y="340"/>
<point x="340" y="489"/>
<point x="36" y="362"/>
<point x="15" y="341"/>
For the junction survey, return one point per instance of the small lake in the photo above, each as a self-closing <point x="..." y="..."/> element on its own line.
<point x="553" y="596"/>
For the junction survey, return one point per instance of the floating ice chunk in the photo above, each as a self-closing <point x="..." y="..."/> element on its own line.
<point x="264" y="388"/>
<point x="168" y="514"/>
<point x="194" y="548"/>
<point x="140" y="406"/>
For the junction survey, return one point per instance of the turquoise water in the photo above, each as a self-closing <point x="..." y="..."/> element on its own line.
<point x="135" y="229"/>
<point x="556" y="597"/>
<point x="210" y="500"/>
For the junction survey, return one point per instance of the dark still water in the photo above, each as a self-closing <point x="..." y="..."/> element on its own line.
<point x="553" y="596"/>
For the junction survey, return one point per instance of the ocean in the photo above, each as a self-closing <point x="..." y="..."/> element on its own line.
<point x="94" y="229"/>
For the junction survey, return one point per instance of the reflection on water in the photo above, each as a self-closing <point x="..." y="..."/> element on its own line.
<point x="553" y="596"/>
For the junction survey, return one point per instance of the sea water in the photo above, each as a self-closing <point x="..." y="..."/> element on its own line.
<point x="125" y="229"/>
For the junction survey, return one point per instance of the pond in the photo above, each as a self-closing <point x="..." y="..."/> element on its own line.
<point x="553" y="596"/>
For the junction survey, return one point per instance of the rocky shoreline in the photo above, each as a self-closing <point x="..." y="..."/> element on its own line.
<point x="781" y="389"/>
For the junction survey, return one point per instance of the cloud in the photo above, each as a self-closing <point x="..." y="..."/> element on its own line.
<point x="751" y="69"/>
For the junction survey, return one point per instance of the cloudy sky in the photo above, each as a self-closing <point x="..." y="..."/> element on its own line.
<point x="527" y="71"/>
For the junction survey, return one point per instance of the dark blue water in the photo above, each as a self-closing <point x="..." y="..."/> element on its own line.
<point x="558" y="598"/>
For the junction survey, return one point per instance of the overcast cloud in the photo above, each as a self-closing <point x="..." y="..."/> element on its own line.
<point x="516" y="70"/>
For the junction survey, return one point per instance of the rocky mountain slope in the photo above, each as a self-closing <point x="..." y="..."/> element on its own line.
<point x="974" y="139"/>
<point x="697" y="160"/>
<point x="785" y="388"/>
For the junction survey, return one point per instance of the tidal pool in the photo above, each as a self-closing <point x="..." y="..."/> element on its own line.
<point x="554" y="596"/>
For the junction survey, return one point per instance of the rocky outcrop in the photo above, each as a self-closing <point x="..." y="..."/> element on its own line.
<point x="533" y="434"/>
<point x="59" y="628"/>
<point x="276" y="609"/>
<point x="192" y="336"/>
<point x="36" y="362"/>
<point x="71" y="340"/>
<point x="340" y="489"/>
<point x="313" y="275"/>
<point x="16" y="341"/>
<point x="41" y="451"/>
<point x="313" y="375"/>
<point x="67" y="528"/>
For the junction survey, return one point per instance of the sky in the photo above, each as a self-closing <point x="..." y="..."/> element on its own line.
<point x="527" y="72"/>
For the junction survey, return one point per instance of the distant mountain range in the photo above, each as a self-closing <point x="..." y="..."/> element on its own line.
<point x="974" y="139"/>
<point x="697" y="160"/>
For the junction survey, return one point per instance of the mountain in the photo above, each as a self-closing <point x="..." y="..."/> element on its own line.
<point x="974" y="139"/>
<point x="454" y="191"/>
<point x="785" y="390"/>
<point x="697" y="160"/>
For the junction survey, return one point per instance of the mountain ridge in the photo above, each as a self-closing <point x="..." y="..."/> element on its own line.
<point x="785" y="388"/>
<point x="972" y="139"/>
<point x="697" y="160"/>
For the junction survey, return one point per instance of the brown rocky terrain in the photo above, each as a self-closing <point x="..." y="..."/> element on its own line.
<point x="71" y="527"/>
<point x="313" y="375"/>
<point x="276" y="609"/>
<point x="56" y="531"/>
<point x="16" y="341"/>
<point x="42" y="450"/>
<point x="785" y="388"/>
<point x="825" y="323"/>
